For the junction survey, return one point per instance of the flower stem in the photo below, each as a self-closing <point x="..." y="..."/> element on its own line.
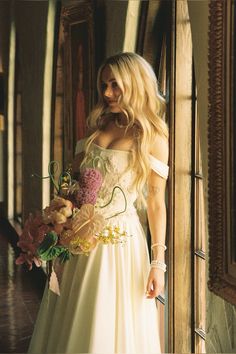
<point x="50" y="174"/>
<point x="113" y="191"/>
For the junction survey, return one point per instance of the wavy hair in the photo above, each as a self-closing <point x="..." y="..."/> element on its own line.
<point x="142" y="105"/>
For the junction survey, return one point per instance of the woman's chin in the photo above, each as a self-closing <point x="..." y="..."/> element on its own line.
<point x="114" y="109"/>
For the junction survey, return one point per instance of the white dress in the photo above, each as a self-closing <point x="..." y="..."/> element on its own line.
<point x="102" y="308"/>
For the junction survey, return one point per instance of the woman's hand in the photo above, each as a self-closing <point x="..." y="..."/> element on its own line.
<point x="155" y="283"/>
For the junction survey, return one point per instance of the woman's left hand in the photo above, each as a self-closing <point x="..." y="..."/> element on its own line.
<point x="155" y="283"/>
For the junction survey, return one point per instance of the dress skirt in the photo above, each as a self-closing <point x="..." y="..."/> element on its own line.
<point x="102" y="308"/>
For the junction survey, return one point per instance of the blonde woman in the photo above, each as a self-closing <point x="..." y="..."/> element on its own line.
<point x="107" y="302"/>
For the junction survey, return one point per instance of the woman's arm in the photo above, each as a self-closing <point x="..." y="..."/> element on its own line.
<point x="156" y="212"/>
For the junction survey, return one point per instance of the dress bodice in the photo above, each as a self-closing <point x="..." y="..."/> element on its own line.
<point x="118" y="191"/>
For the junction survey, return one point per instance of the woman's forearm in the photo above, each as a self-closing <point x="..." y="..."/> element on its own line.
<point x="157" y="224"/>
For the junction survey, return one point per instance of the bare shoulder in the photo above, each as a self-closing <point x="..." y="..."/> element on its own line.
<point x="160" y="148"/>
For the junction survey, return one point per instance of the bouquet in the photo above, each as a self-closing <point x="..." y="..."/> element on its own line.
<point x="72" y="224"/>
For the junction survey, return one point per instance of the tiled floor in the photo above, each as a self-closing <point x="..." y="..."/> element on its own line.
<point x="20" y="294"/>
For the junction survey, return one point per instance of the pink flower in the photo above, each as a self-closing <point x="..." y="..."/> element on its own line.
<point x="90" y="181"/>
<point x="29" y="259"/>
<point x="32" y="235"/>
<point x="85" y="196"/>
<point x="90" y="178"/>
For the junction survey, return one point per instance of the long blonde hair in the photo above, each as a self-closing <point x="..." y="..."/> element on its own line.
<point x="142" y="105"/>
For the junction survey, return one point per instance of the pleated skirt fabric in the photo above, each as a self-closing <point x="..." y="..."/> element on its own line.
<point x="102" y="308"/>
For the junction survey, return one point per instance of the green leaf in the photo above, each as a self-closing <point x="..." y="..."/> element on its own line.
<point x="50" y="240"/>
<point x="64" y="256"/>
<point x="52" y="253"/>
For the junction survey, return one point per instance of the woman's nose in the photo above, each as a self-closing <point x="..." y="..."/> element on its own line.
<point x="108" y="92"/>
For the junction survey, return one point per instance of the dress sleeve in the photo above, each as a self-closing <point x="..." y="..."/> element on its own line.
<point x="80" y="146"/>
<point x="159" y="167"/>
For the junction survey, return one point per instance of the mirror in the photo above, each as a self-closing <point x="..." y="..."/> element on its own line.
<point x="222" y="156"/>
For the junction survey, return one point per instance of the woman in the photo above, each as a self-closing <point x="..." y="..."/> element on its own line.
<point x="107" y="302"/>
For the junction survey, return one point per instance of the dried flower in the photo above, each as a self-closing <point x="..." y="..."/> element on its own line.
<point x="69" y="226"/>
<point x="81" y="237"/>
<point x="58" y="211"/>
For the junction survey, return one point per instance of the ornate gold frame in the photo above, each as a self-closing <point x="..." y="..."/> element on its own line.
<point x="221" y="165"/>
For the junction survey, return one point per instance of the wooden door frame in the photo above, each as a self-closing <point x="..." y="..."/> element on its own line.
<point x="179" y="310"/>
<point x="180" y="300"/>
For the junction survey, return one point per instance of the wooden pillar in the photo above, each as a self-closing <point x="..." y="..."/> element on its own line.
<point x="180" y="277"/>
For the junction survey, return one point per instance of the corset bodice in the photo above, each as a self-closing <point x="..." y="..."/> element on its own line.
<point x="117" y="192"/>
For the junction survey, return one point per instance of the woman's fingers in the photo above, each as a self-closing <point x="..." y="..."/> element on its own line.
<point x="149" y="285"/>
<point x="156" y="283"/>
<point x="153" y="289"/>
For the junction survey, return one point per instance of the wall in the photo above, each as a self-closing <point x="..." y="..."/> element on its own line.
<point x="115" y="26"/>
<point x="30" y="18"/>
<point x="4" y="57"/>
<point x="220" y="315"/>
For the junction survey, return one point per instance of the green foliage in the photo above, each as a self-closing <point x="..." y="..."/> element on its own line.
<point x="47" y="249"/>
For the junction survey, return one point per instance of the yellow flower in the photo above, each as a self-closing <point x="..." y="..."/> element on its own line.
<point x="112" y="234"/>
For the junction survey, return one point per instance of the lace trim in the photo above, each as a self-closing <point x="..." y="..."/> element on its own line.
<point x="156" y="165"/>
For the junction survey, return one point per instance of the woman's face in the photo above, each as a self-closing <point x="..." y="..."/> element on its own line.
<point x="110" y="90"/>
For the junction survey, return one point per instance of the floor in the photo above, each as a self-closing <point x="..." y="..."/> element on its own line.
<point x="21" y="291"/>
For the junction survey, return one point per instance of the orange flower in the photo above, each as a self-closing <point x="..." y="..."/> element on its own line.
<point x="85" y="224"/>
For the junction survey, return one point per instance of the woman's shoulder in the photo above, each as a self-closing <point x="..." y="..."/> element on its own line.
<point x="160" y="148"/>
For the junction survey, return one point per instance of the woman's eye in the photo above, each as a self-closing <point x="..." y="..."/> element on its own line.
<point x="103" y="87"/>
<point x="114" y="84"/>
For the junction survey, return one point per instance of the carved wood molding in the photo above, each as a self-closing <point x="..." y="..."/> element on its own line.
<point x="77" y="19"/>
<point x="220" y="282"/>
<point x="78" y="12"/>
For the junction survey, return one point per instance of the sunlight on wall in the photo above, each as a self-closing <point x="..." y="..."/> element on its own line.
<point x="47" y="96"/>
<point x="131" y="25"/>
<point x="10" y="109"/>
